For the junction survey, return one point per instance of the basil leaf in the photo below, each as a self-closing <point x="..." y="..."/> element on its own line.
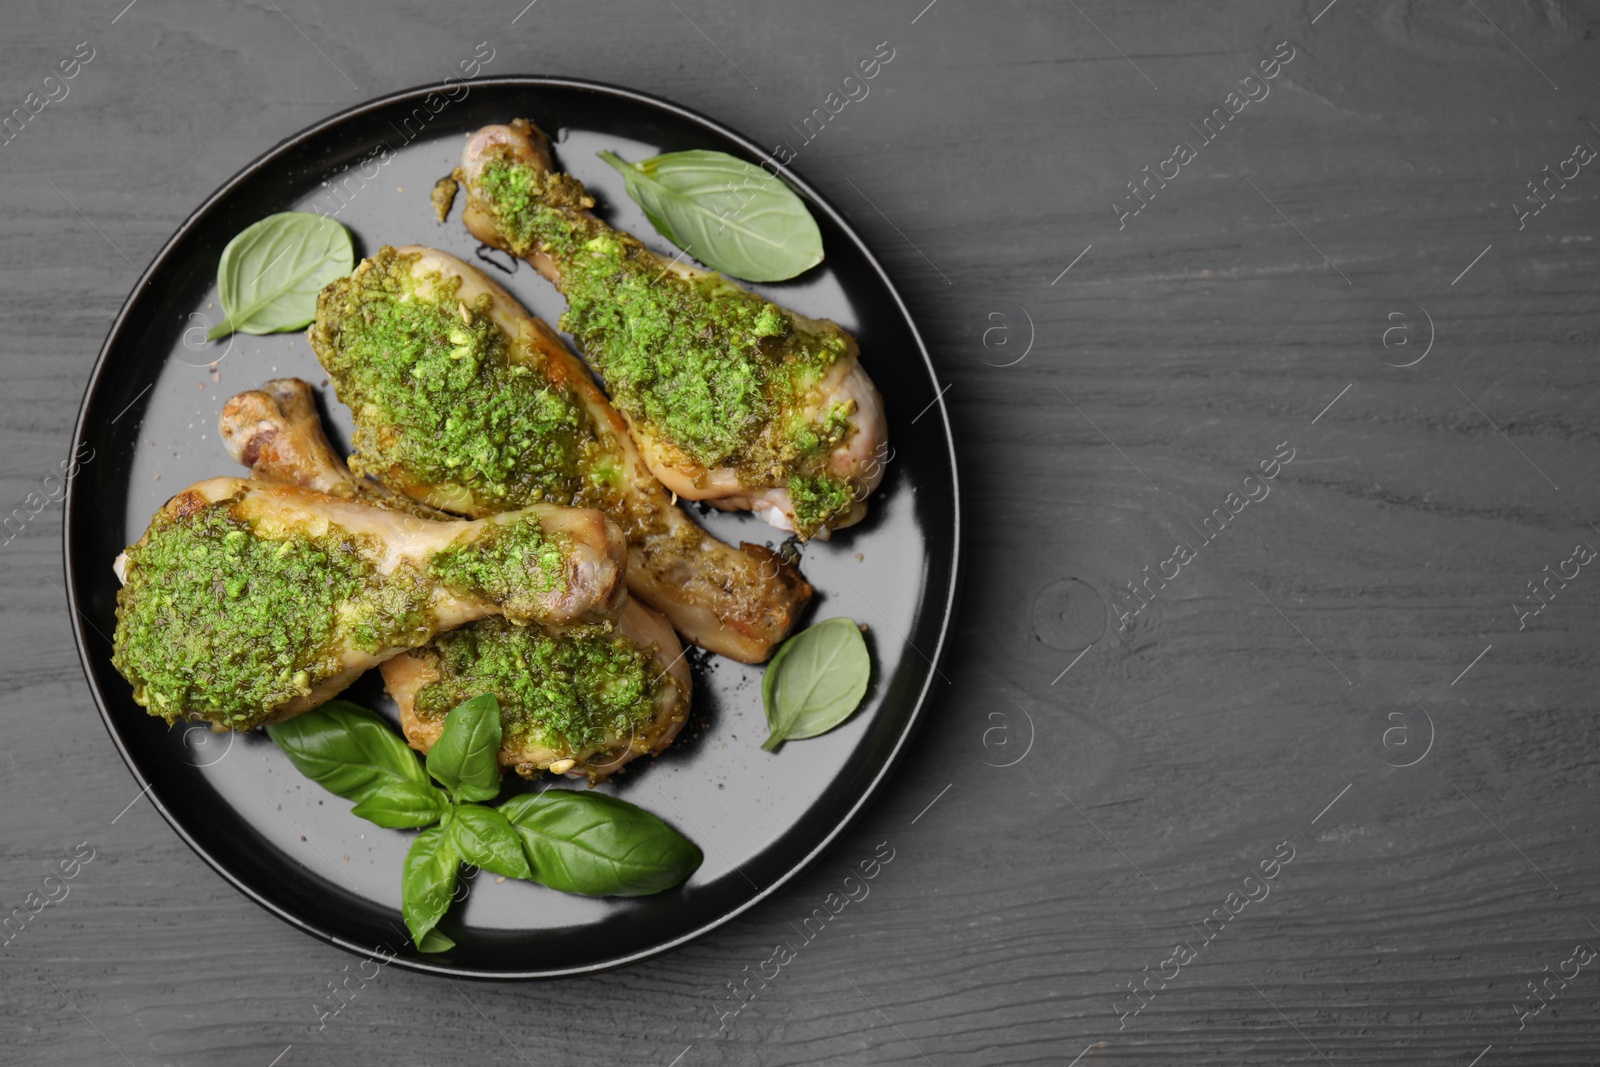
<point x="485" y="839"/>
<point x="465" y="758"/>
<point x="347" y="750"/>
<point x="428" y="882"/>
<point x="598" y="845"/>
<point x="815" y="681"/>
<point x="403" y="805"/>
<point x="434" y="941"/>
<point x="728" y="214"/>
<point x="270" y="274"/>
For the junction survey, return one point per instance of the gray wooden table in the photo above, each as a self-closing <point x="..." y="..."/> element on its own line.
<point x="1145" y="295"/>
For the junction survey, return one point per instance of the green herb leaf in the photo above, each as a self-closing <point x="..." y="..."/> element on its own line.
<point x="728" y="214"/>
<point x="403" y="805"/>
<point x="597" y="845"/>
<point x="815" y="681"/>
<point x="270" y="274"/>
<point x="464" y="759"/>
<point x="486" y="839"/>
<point x="428" y="882"/>
<point x="434" y="941"/>
<point x="349" y="751"/>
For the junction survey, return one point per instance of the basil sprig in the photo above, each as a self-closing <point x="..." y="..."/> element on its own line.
<point x="815" y="681"/>
<point x="585" y="843"/>
<point x="270" y="273"/>
<point x="427" y="885"/>
<point x="485" y="839"/>
<point x="350" y="751"/>
<point x="731" y="216"/>
<point x="597" y="845"/>
<point x="463" y="760"/>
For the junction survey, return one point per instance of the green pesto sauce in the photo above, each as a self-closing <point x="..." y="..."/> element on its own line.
<point x="817" y="499"/>
<point x="514" y="564"/>
<point x="437" y="395"/>
<point x="715" y="371"/>
<point x="395" y="612"/>
<point x="217" y="622"/>
<point x="570" y="690"/>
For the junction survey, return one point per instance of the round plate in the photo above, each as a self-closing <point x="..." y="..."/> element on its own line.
<point x="150" y="416"/>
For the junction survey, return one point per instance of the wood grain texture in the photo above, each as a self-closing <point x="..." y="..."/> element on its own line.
<point x="1177" y="352"/>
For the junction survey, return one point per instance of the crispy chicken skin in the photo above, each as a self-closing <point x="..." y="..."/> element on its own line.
<point x="276" y="432"/>
<point x="246" y="602"/>
<point x="732" y="399"/>
<point x="465" y="402"/>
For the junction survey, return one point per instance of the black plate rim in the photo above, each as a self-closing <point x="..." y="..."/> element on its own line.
<point x="193" y="221"/>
